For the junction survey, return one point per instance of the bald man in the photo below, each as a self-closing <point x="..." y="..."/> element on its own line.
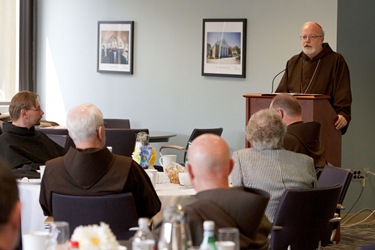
<point x="319" y="70"/>
<point x="209" y="167"/>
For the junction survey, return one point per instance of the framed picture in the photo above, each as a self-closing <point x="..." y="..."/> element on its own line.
<point x="224" y="48"/>
<point x="115" y="46"/>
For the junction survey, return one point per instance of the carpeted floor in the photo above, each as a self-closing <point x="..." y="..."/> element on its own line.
<point x="354" y="237"/>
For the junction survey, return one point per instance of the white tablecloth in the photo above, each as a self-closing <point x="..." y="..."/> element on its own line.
<point x="32" y="215"/>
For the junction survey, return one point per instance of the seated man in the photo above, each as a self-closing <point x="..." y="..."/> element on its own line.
<point x="266" y="165"/>
<point x="300" y="137"/>
<point x="23" y="147"/>
<point x="91" y="169"/>
<point x="10" y="209"/>
<point x="209" y="167"/>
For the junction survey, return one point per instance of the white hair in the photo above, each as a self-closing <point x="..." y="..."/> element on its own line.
<point x="83" y="121"/>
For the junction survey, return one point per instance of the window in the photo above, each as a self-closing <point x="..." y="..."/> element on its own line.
<point x="9" y="47"/>
<point x="17" y="49"/>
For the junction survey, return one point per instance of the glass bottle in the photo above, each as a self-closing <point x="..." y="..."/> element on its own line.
<point x="166" y="233"/>
<point x="186" y="154"/>
<point x="175" y="234"/>
<point x="209" y="240"/>
<point x="143" y="238"/>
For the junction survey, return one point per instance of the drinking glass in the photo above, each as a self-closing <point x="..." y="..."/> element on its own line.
<point x="228" y="239"/>
<point x="38" y="240"/>
<point x="61" y="233"/>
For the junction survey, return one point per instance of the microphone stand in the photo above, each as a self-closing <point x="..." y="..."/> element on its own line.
<point x="275" y="78"/>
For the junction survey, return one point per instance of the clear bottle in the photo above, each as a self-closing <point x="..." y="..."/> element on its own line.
<point x="143" y="239"/>
<point x="175" y="234"/>
<point x="186" y="154"/>
<point x="209" y="240"/>
<point x="166" y="233"/>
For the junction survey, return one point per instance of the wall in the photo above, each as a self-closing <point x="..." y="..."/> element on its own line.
<point x="166" y="91"/>
<point x="355" y="42"/>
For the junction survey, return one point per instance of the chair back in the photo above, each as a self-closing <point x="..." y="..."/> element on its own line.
<point x="116" y="123"/>
<point x="303" y="215"/>
<point x="331" y="175"/>
<point x="116" y="210"/>
<point x="59" y="131"/>
<point x="121" y="140"/>
<point x="62" y="140"/>
<point x="199" y="131"/>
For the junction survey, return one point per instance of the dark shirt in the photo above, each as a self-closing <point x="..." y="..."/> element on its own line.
<point x="234" y="207"/>
<point x="26" y="149"/>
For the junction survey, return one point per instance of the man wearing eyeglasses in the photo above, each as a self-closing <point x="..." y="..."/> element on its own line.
<point x="23" y="147"/>
<point x="319" y="70"/>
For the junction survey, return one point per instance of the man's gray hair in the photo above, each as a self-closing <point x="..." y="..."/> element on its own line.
<point x="265" y="130"/>
<point x="83" y="121"/>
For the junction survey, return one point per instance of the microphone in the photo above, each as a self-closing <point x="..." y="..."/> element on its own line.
<point x="287" y="67"/>
<point x="276" y="76"/>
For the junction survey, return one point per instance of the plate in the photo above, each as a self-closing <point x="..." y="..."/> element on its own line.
<point x="29" y="181"/>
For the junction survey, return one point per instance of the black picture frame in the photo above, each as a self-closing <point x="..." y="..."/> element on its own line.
<point x="224" y="47"/>
<point x="115" y="46"/>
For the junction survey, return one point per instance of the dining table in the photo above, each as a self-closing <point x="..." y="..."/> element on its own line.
<point x="33" y="219"/>
<point x="154" y="136"/>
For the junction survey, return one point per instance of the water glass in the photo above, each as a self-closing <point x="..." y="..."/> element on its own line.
<point x="228" y="239"/>
<point x="61" y="234"/>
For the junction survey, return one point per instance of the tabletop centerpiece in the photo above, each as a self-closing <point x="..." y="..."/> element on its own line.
<point x="144" y="154"/>
<point x="95" y="237"/>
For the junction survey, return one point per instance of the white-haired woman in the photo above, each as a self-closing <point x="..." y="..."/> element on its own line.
<point x="266" y="165"/>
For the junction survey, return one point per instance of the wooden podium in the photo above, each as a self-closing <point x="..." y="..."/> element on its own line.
<point x="314" y="108"/>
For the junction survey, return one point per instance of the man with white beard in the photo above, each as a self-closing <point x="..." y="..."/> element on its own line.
<point x="317" y="69"/>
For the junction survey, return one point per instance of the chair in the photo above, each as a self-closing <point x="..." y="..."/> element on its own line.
<point x="59" y="131"/>
<point x="303" y="216"/>
<point x="329" y="176"/>
<point x="117" y="210"/>
<point x="117" y="123"/>
<point x="62" y="140"/>
<point x="196" y="132"/>
<point x="367" y="247"/>
<point x="121" y="140"/>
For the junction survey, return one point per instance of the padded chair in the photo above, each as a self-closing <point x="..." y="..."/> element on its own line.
<point x="59" y="131"/>
<point x="117" y="123"/>
<point x="333" y="175"/>
<point x="62" y="140"/>
<point x="329" y="176"/>
<point x="303" y="216"/>
<point x="117" y="210"/>
<point x="367" y="247"/>
<point x="121" y="140"/>
<point x="196" y="132"/>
